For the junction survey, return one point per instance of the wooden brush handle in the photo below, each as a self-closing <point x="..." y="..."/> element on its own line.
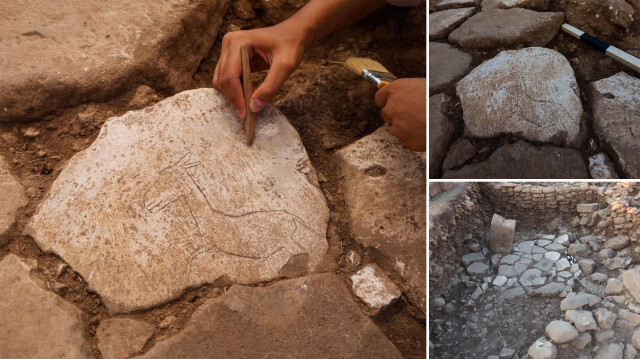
<point x="383" y="84"/>
<point x="250" y="123"/>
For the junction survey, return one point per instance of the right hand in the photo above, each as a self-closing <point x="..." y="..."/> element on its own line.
<point x="278" y="48"/>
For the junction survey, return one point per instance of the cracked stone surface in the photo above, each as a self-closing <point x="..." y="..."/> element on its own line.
<point x="311" y="317"/>
<point x="616" y="109"/>
<point x="531" y="93"/>
<point x="385" y="194"/>
<point x="28" y="314"/>
<point x="160" y="195"/>
<point x="11" y="197"/>
<point x="59" y="54"/>
<point x="122" y="337"/>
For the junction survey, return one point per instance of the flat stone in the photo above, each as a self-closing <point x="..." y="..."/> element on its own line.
<point x="441" y="131"/>
<point x="563" y="240"/>
<point x="635" y="338"/>
<point x="502" y="233"/>
<point x="524" y="161"/>
<point x="581" y="341"/>
<point x="472" y="258"/>
<point x="159" y="195"/>
<point x="509" y="259"/>
<point x="550" y="289"/>
<point x="478" y="268"/>
<point x="531" y="277"/>
<point x="618" y="242"/>
<point x="614" y="287"/>
<point x="36" y="323"/>
<point x="453" y="4"/>
<point x="385" y="195"/>
<point x="592" y="288"/>
<point x="578" y="301"/>
<point x="581" y="319"/>
<point x="446" y="66"/>
<point x="520" y="267"/>
<point x="555" y="247"/>
<point x="512" y="293"/>
<point x="542" y="349"/>
<point x="374" y="288"/>
<point x="11" y="196"/>
<point x="524" y="247"/>
<point x="603" y="335"/>
<point x="545" y="264"/>
<point x="586" y="265"/>
<point x="587" y="207"/>
<point x="543" y="242"/>
<point x="605" y="318"/>
<point x="507" y="271"/>
<point x="601" y="167"/>
<point x="631" y="279"/>
<point x="540" y="5"/>
<point x="616" y="109"/>
<point x="531" y="92"/>
<point x="279" y="320"/>
<point x="459" y="153"/>
<point x="441" y="23"/>
<point x="122" y="337"/>
<point x="563" y="264"/>
<point x="59" y="55"/>
<point x="610" y="351"/>
<point x="616" y="263"/>
<point x="561" y="332"/>
<point x="579" y="249"/>
<point x="499" y="280"/>
<point x="501" y="28"/>
<point x="627" y="318"/>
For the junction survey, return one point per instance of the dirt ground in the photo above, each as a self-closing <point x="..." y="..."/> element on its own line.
<point x="329" y="106"/>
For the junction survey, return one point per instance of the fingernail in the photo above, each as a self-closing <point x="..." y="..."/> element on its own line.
<point x="256" y="105"/>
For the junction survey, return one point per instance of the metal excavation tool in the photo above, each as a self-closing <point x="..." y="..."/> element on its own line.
<point x="250" y="123"/>
<point x="611" y="51"/>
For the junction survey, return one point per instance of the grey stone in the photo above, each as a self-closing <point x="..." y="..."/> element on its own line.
<point x="586" y="207"/>
<point x="631" y="279"/>
<point x="635" y="338"/>
<point x="374" y="288"/>
<point x="605" y="318"/>
<point x="552" y="256"/>
<point x="601" y="167"/>
<point x="581" y="341"/>
<point x="618" y="242"/>
<point x="586" y="265"/>
<point x="599" y="278"/>
<point x="446" y="66"/>
<point x="579" y="249"/>
<point x="555" y="247"/>
<point x="616" y="263"/>
<point x="563" y="240"/>
<point x="540" y="5"/>
<point x="512" y="293"/>
<point x="459" y="153"/>
<point x="509" y="259"/>
<point x="440" y="133"/>
<point x="610" y="351"/>
<point x="502" y="233"/>
<point x="603" y="335"/>
<point x="560" y="331"/>
<point x="472" y="257"/>
<point x="532" y="277"/>
<point x="545" y="264"/>
<point x="441" y="23"/>
<point x="507" y="271"/>
<point x="581" y="319"/>
<point x="550" y="289"/>
<point x="477" y="268"/>
<point x="542" y="349"/>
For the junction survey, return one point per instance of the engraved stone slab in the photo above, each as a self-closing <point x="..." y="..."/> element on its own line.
<point x="170" y="197"/>
<point x="531" y="92"/>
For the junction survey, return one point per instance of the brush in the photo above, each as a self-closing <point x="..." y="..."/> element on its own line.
<point x="371" y="70"/>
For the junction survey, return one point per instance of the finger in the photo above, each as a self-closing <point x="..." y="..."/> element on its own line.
<point x="223" y="55"/>
<point x="381" y="96"/>
<point x="229" y="81"/>
<point x="277" y="75"/>
<point x="387" y="116"/>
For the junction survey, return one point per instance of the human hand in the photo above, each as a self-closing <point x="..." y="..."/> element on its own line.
<point x="278" y="48"/>
<point x="404" y="106"/>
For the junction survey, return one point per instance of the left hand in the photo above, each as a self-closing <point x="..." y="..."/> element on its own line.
<point x="404" y="106"/>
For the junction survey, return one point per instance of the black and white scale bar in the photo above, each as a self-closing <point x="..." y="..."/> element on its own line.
<point x="611" y="51"/>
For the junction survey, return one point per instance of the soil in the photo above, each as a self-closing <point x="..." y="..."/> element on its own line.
<point x="328" y="105"/>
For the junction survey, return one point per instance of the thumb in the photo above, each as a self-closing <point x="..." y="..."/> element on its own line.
<point x="277" y="75"/>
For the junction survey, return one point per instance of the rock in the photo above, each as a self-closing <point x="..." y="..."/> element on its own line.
<point x="581" y="341"/>
<point x="501" y="28"/>
<point x="440" y="133"/>
<point x="550" y="290"/>
<point x="472" y="258"/>
<point x="563" y="240"/>
<point x="552" y="256"/>
<point x="563" y="264"/>
<point x="385" y="195"/>
<point x="502" y="232"/>
<point x="36" y="323"/>
<point x="593" y="288"/>
<point x="531" y="92"/>
<point x="122" y="337"/>
<point x="499" y="280"/>
<point x="73" y="52"/>
<point x="606" y="253"/>
<point x="12" y="197"/>
<point x="561" y="332"/>
<point x="635" y="338"/>
<point x="581" y="319"/>
<point x="579" y="249"/>
<point x="453" y="4"/>
<point x="523" y="161"/>
<point x="167" y="322"/>
<point x="478" y="268"/>
<point x="169" y="199"/>
<point x="540" y="5"/>
<point x="542" y="349"/>
<point x="446" y="66"/>
<point x="610" y="351"/>
<point x="616" y="108"/>
<point x="601" y="167"/>
<point x="574" y="302"/>
<point x="631" y="279"/>
<point x="243" y="9"/>
<point x="587" y="207"/>
<point x="545" y="264"/>
<point x="605" y="318"/>
<point x="627" y="318"/>
<point x="603" y="335"/>
<point x="278" y="320"/>
<point x="599" y="278"/>
<point x="374" y="288"/>
<point x="599" y="18"/>
<point x="532" y="277"/>
<point x="459" y="153"/>
<point x="616" y="263"/>
<point x="507" y="271"/>
<point x="509" y="259"/>
<point x="437" y="303"/>
<point x="614" y="287"/>
<point x="507" y="353"/>
<point x="618" y="242"/>
<point x="441" y="23"/>
<point x="512" y="293"/>
<point x="630" y="352"/>
<point x="586" y="265"/>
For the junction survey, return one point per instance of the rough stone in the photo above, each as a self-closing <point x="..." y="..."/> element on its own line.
<point x="542" y="349"/>
<point x="617" y="242"/>
<point x="616" y="108"/>
<point x="614" y="287"/>
<point x="524" y="161"/>
<point x="441" y="131"/>
<point x="630" y="352"/>
<point x="512" y="293"/>
<point x="35" y="323"/>
<point x="472" y="257"/>
<point x="603" y="335"/>
<point x="579" y="249"/>
<point x="459" y="153"/>
<point x="122" y="337"/>
<point x="441" y="23"/>
<point x="599" y="18"/>
<point x="540" y="5"/>
<point x="11" y="196"/>
<point x="605" y="318"/>
<point x="586" y="265"/>
<point x="56" y="55"/>
<point x="532" y="277"/>
<point x="502" y="233"/>
<point x="581" y="319"/>
<point x="610" y="351"/>
<point x="385" y="195"/>
<point x="586" y="207"/>
<point x="601" y="167"/>
<point x="446" y="66"/>
<point x="635" y="338"/>
<point x="617" y="263"/>
<point x="531" y="92"/>
<point x="279" y="320"/>
<point x="581" y="341"/>
<point x="159" y="195"/>
<point x="561" y="332"/>
<point x="599" y="278"/>
<point x="374" y="288"/>
<point x="454" y="4"/>
<point x="550" y="290"/>
<point x="478" y="268"/>
<point x="574" y="302"/>
<point x="501" y="28"/>
<point x="631" y="279"/>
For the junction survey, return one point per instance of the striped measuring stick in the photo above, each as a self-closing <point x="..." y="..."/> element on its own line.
<point x="610" y="50"/>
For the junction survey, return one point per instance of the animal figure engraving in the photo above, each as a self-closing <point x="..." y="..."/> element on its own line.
<point x="241" y="235"/>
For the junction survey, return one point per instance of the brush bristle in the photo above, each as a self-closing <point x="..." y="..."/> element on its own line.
<point x="358" y="64"/>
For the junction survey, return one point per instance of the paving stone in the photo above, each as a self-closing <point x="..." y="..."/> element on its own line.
<point x="472" y="257"/>
<point x="563" y="264"/>
<point x="122" y="337"/>
<point x="499" y="280"/>
<point x="524" y="161"/>
<point x="512" y="293"/>
<point x="524" y="247"/>
<point x="57" y="55"/>
<point x="610" y="351"/>
<point x="540" y="5"/>
<point x="159" y="195"/>
<point x="631" y="279"/>
<point x="532" y="277"/>
<point x="453" y="4"/>
<point x="519" y="92"/>
<point x="441" y="23"/>
<point x="509" y="259"/>
<point x="545" y="264"/>
<point x="520" y="267"/>
<point x="616" y="108"/>
<point x="501" y="28"/>
<point x="459" y="153"/>
<point x="601" y="167"/>
<point x="581" y="319"/>
<point x="35" y="323"/>
<point x="247" y="322"/>
<point x="543" y="242"/>
<point x="11" y="196"/>
<point x="542" y="349"/>
<point x="446" y="66"/>
<point x="374" y="288"/>
<point x="605" y="318"/>
<point x="507" y="271"/>
<point x="477" y="268"/>
<point x="618" y="242"/>
<point x="550" y="289"/>
<point x="385" y="195"/>
<point x="441" y="131"/>
<point x="561" y="332"/>
<point x="502" y="233"/>
<point x="563" y="240"/>
<point x="555" y="247"/>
